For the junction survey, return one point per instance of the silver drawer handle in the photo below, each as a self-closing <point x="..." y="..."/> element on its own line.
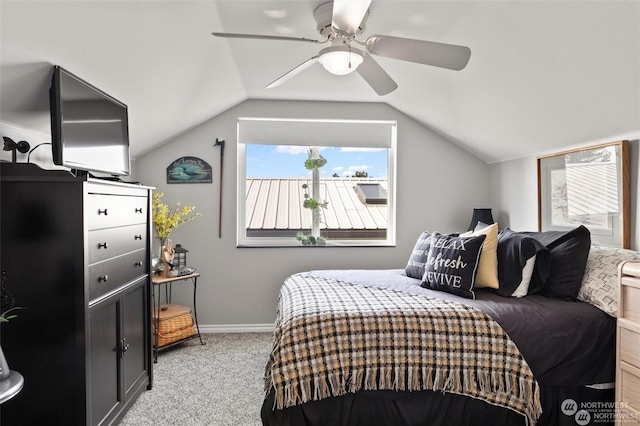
<point x="103" y="245"/>
<point x="103" y="278"/>
<point x="104" y="212"/>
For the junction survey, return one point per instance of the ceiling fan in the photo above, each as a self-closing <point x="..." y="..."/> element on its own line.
<point x="340" y="22"/>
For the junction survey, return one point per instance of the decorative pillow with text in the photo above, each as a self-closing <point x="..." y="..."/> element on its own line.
<point x="452" y="264"/>
<point x="415" y="265"/>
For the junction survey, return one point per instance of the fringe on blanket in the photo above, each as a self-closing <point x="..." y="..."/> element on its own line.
<point x="465" y="382"/>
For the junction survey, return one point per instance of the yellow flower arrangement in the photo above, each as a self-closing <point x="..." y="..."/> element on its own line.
<point x="166" y="218"/>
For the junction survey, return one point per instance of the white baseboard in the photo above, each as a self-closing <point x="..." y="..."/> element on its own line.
<point x="237" y="328"/>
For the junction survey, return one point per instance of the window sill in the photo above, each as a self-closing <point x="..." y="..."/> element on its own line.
<point x="297" y="244"/>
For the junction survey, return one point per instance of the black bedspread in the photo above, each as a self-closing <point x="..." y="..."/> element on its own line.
<point x="391" y="408"/>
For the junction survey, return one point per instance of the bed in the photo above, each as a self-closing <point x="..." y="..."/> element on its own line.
<point x="390" y="347"/>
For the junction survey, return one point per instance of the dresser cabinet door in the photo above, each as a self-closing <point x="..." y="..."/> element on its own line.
<point x="106" y="396"/>
<point x="119" y="351"/>
<point x="134" y="323"/>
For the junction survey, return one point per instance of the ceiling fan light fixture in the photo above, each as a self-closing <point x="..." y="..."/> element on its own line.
<point x="340" y="60"/>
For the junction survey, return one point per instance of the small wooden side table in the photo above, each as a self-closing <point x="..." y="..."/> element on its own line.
<point x="159" y="281"/>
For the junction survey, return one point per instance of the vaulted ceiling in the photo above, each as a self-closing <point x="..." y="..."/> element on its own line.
<point x="543" y="75"/>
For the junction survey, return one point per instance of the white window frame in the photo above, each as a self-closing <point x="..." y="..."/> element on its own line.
<point x="321" y="132"/>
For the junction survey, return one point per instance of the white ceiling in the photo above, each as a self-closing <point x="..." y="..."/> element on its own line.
<point x="543" y="75"/>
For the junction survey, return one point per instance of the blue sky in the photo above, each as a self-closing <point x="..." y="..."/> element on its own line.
<point x="288" y="161"/>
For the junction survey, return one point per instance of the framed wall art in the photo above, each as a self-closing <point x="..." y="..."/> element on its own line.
<point x="189" y="170"/>
<point x="587" y="186"/>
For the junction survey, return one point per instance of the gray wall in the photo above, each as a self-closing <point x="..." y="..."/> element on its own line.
<point x="514" y="193"/>
<point x="438" y="184"/>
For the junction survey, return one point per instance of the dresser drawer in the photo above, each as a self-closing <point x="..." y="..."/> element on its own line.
<point x="106" y="211"/>
<point x="630" y="346"/>
<point x="630" y="299"/>
<point x="630" y="388"/>
<point x="109" y="275"/>
<point x="112" y="242"/>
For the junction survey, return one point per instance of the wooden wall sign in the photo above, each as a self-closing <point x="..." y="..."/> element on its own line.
<point x="189" y="170"/>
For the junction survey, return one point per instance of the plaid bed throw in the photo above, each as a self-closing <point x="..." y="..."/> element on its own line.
<point x="333" y="337"/>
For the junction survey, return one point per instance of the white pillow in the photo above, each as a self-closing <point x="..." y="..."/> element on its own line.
<point x="527" y="272"/>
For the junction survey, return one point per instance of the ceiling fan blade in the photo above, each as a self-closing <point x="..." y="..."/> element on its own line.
<point x="265" y="37"/>
<point x="375" y="76"/>
<point x="348" y="14"/>
<point x="424" y="52"/>
<point x="303" y="66"/>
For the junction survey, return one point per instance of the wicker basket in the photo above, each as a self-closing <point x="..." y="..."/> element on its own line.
<point x="175" y="323"/>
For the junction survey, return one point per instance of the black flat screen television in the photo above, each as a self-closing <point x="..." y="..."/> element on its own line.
<point x="89" y="129"/>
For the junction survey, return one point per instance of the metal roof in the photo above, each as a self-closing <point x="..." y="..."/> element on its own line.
<point x="274" y="207"/>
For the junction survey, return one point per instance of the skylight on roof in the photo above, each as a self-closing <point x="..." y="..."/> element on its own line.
<point x="371" y="193"/>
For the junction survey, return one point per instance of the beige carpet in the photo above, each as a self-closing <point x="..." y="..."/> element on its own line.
<point x="218" y="384"/>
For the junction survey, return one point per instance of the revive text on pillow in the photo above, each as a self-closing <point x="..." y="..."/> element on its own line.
<point x="452" y="264"/>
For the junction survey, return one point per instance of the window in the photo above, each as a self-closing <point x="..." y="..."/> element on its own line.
<point x="371" y="193"/>
<point x="316" y="182"/>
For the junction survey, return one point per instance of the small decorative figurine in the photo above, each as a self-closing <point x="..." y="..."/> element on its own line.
<point x="167" y="259"/>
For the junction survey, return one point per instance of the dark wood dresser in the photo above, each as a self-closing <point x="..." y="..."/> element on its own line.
<point x="75" y="252"/>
